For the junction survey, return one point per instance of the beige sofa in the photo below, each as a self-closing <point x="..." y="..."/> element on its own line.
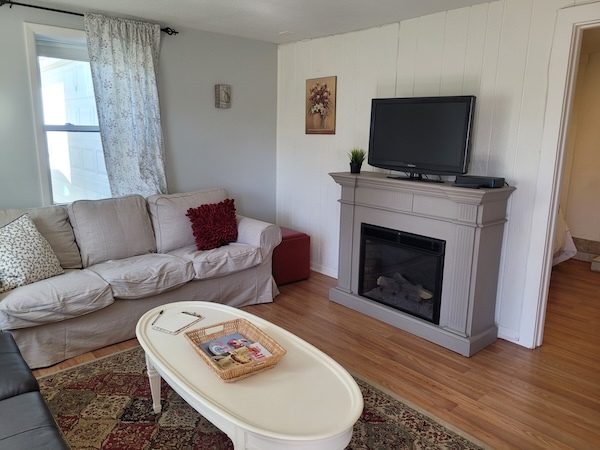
<point x="122" y="257"/>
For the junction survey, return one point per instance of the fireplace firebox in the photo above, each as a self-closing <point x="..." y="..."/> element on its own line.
<point x="402" y="270"/>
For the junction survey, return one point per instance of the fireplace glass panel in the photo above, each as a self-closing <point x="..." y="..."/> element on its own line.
<point x="402" y="270"/>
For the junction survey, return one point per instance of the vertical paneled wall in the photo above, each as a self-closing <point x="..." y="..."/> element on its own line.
<point x="498" y="51"/>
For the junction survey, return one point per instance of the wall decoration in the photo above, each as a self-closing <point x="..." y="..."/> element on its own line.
<point x="222" y="96"/>
<point x="320" y="105"/>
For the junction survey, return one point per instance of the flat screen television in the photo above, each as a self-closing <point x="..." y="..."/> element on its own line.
<point x="422" y="135"/>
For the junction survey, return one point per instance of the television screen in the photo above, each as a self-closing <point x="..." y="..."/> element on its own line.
<point x="422" y="135"/>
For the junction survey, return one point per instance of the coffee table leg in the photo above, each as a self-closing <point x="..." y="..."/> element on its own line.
<point x="154" y="378"/>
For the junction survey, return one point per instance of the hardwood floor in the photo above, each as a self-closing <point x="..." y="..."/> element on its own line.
<point x="506" y="396"/>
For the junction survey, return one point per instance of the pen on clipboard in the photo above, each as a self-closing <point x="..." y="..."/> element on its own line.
<point x="157" y="317"/>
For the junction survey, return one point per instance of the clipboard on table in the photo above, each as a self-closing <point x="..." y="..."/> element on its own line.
<point x="175" y="322"/>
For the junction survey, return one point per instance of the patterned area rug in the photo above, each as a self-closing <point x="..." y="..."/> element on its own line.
<point x="107" y="404"/>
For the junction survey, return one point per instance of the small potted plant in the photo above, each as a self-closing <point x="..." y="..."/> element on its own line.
<point x="357" y="156"/>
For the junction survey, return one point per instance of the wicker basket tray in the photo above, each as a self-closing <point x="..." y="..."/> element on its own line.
<point x="250" y="332"/>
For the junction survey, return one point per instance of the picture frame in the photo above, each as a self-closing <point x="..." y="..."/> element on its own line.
<point x="321" y="95"/>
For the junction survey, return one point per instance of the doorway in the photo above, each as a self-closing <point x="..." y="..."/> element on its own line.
<point x="571" y="24"/>
<point x="579" y="186"/>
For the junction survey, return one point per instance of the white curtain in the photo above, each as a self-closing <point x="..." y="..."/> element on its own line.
<point x="124" y="62"/>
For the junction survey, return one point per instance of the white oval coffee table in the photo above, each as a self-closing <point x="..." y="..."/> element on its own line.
<point x="306" y="401"/>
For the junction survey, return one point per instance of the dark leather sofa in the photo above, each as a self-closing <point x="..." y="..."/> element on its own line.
<point x="25" y="420"/>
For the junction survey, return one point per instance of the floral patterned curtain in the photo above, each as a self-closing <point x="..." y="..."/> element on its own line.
<point x="124" y="63"/>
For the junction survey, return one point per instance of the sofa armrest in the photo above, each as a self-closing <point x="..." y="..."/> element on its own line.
<point x="258" y="233"/>
<point x="15" y="376"/>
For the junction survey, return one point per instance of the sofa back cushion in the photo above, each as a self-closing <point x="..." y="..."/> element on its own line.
<point x="53" y="223"/>
<point x="168" y="213"/>
<point x="111" y="228"/>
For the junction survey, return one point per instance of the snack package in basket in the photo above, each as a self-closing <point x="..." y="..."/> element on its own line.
<point x="234" y="350"/>
<point x="224" y="344"/>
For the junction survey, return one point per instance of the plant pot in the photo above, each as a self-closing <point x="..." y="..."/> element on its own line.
<point x="355" y="167"/>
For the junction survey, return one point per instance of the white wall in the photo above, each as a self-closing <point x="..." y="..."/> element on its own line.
<point x="572" y="136"/>
<point x="581" y="191"/>
<point x="498" y="51"/>
<point x="206" y="147"/>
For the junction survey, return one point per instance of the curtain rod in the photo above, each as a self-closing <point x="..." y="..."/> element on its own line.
<point x="168" y="30"/>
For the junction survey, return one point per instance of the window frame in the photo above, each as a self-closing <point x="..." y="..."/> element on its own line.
<point x="50" y="33"/>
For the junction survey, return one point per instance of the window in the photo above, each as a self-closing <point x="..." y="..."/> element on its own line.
<point x="70" y="147"/>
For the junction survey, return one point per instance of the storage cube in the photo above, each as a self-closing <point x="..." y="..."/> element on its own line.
<point x="291" y="258"/>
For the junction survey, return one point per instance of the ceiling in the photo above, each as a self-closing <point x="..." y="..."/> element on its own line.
<point x="276" y="21"/>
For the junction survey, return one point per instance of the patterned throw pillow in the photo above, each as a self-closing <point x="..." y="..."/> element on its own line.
<point x="25" y="255"/>
<point x="214" y="224"/>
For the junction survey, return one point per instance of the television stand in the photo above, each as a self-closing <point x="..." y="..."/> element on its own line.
<point x="415" y="177"/>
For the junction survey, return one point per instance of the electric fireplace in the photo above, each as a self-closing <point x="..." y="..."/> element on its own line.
<point x="423" y="257"/>
<point x="402" y="270"/>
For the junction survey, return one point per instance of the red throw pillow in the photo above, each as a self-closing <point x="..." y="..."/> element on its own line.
<point x="214" y="224"/>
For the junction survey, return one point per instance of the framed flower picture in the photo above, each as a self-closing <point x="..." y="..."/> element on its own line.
<point x="320" y="105"/>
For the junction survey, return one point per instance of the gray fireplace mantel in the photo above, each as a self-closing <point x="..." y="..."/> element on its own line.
<point x="471" y="221"/>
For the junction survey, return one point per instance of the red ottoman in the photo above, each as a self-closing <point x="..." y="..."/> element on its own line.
<point x="291" y="258"/>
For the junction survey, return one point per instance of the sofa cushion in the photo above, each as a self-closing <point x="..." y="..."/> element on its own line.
<point x="25" y="255"/>
<point x="167" y="211"/>
<point x="213" y="224"/>
<point x="220" y="261"/>
<point x="72" y="294"/>
<point x="112" y="228"/>
<point x="145" y="275"/>
<point x="27" y="423"/>
<point x="53" y="223"/>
